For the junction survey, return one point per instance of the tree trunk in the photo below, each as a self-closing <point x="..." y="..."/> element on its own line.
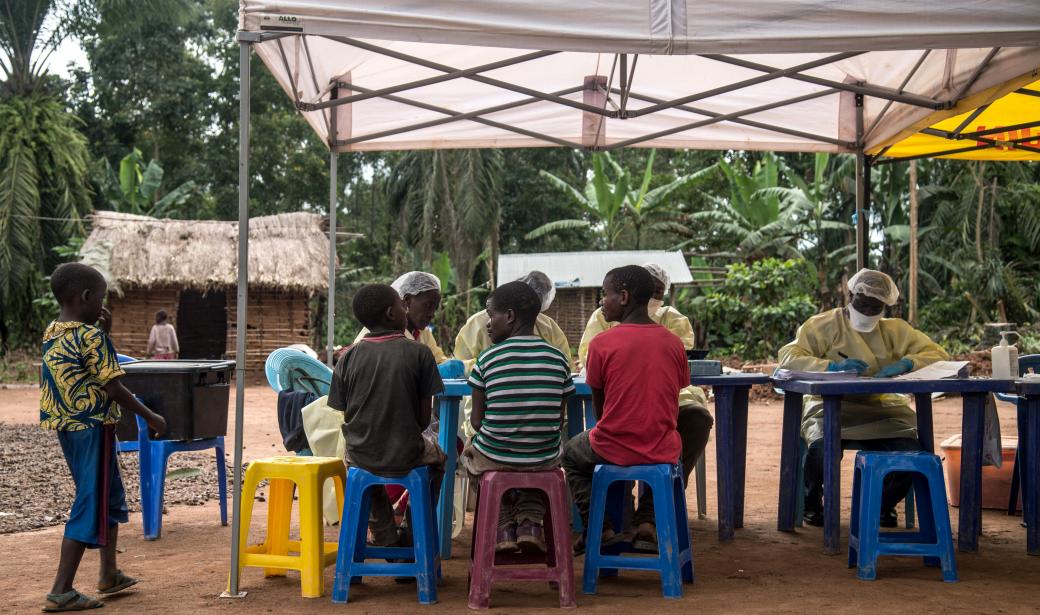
<point x="913" y="244"/>
<point x="981" y="187"/>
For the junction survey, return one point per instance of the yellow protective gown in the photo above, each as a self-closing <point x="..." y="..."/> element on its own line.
<point x="863" y="417"/>
<point x="668" y="317"/>
<point x="473" y="339"/>
<point x="425" y="338"/>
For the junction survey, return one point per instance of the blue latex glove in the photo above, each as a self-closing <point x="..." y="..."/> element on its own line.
<point x="847" y="365"/>
<point x="452" y="369"/>
<point x="901" y="366"/>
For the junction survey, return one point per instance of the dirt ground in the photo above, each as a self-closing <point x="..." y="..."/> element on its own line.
<point x="762" y="571"/>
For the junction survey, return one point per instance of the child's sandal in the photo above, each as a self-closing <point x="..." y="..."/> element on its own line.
<point x="120" y="583"/>
<point x="71" y="600"/>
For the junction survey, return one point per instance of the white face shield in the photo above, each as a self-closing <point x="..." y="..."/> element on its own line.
<point x="654" y="306"/>
<point x="862" y="322"/>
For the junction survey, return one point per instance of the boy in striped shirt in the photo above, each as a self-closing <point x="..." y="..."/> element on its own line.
<point x="520" y="386"/>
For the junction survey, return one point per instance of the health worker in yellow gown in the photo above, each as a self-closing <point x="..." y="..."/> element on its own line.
<point x="857" y="338"/>
<point x="473" y="338"/>
<point x="695" y="422"/>
<point x="421" y="293"/>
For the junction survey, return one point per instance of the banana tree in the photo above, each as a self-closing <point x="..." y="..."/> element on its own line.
<point x="647" y="209"/>
<point x="136" y="189"/>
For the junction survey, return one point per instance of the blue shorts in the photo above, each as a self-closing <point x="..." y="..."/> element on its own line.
<point x="100" y="499"/>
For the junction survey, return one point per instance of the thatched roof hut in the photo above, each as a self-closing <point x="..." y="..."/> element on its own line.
<point x="286" y="251"/>
<point x="189" y="269"/>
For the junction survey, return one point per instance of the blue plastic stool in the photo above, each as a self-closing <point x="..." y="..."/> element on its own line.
<point x="933" y="541"/>
<point x="425" y="564"/>
<point x="799" y="507"/>
<point x="152" y="458"/>
<point x="674" y="561"/>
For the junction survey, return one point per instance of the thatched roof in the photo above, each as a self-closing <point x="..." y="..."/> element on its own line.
<point x="286" y="251"/>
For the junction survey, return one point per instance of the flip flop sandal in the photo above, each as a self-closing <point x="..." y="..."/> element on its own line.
<point x="70" y="601"/>
<point x="121" y="582"/>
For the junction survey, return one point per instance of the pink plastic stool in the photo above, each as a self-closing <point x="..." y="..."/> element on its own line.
<point x="486" y="566"/>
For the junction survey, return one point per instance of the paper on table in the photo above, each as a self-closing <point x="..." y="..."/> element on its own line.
<point x="938" y="371"/>
<point x="795" y="374"/>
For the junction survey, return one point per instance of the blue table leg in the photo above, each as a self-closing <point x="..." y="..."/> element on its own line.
<point x="724" y="445"/>
<point x="972" y="431"/>
<point x="575" y="425"/>
<point x="590" y="413"/>
<point x="448" y="435"/>
<point x="789" y="452"/>
<point x="831" y="474"/>
<point x="925" y="433"/>
<point x="1031" y="475"/>
<point x="740" y="420"/>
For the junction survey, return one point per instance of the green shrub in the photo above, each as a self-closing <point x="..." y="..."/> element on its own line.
<point x="757" y="308"/>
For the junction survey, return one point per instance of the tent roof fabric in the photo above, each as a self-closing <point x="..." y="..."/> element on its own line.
<point x="409" y="68"/>
<point x="1007" y="129"/>
<point x="586" y="269"/>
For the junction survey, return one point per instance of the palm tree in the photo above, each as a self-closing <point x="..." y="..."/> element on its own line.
<point x="613" y="204"/>
<point x="44" y="161"/>
<point x="449" y="201"/>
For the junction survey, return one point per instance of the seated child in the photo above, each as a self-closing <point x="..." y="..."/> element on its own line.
<point x="79" y="381"/>
<point x="384" y="384"/>
<point x="520" y="386"/>
<point x="635" y="370"/>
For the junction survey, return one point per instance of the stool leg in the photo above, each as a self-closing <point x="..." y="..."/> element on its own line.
<point x="926" y="534"/>
<point x="153" y="456"/>
<point x="353" y="523"/>
<point x="854" y="517"/>
<point x="222" y="480"/>
<point x="279" y="513"/>
<point x="908" y="510"/>
<point x="940" y="516"/>
<point x="869" y="523"/>
<point x="617" y="506"/>
<point x="246" y="510"/>
<point x="559" y="555"/>
<point x="667" y="537"/>
<point x="682" y="525"/>
<point x="593" y="533"/>
<point x="312" y="538"/>
<point x="485" y="530"/>
<point x="427" y="558"/>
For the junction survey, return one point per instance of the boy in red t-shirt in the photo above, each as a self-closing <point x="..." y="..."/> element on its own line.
<point x="635" y="371"/>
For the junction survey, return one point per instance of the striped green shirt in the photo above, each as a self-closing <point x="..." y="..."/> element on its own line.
<point x="525" y="381"/>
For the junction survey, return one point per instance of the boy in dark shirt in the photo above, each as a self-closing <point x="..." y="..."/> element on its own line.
<point x="384" y="385"/>
<point x="635" y="370"/>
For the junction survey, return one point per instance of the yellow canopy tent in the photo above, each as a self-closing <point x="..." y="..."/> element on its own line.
<point x="1007" y="129"/>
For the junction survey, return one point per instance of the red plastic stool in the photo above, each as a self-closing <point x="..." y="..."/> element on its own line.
<point x="486" y="566"/>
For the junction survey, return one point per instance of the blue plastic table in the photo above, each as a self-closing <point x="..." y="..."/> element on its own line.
<point x="1029" y="449"/>
<point x="973" y="391"/>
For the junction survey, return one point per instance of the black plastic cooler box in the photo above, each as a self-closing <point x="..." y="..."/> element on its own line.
<point x="191" y="395"/>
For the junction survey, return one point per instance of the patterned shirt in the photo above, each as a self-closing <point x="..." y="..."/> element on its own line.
<point x="525" y="381"/>
<point x="78" y="360"/>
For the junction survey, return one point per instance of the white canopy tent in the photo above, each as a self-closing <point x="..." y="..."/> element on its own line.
<point x="781" y="75"/>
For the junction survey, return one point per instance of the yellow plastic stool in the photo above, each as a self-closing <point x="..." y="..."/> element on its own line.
<point x="309" y="475"/>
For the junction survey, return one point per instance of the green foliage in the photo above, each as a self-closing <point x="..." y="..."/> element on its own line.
<point x="137" y="188"/>
<point x="757" y="308"/>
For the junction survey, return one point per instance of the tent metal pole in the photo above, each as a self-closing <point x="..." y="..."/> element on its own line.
<point x="241" y="303"/>
<point x="862" y="191"/>
<point x="868" y="90"/>
<point x="330" y="333"/>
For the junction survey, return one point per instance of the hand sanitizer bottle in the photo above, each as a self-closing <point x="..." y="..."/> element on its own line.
<point x="1005" y="358"/>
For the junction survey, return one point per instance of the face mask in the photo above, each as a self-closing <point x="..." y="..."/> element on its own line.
<point x="862" y="322"/>
<point x="654" y="305"/>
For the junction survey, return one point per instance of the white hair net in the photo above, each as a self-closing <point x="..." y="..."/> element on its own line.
<point x="874" y="284"/>
<point x="415" y="282"/>
<point x="659" y="274"/>
<point x="541" y="284"/>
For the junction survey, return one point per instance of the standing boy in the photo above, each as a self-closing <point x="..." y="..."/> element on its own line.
<point x="520" y="386"/>
<point x="635" y="370"/>
<point x="79" y="381"/>
<point x="384" y="384"/>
